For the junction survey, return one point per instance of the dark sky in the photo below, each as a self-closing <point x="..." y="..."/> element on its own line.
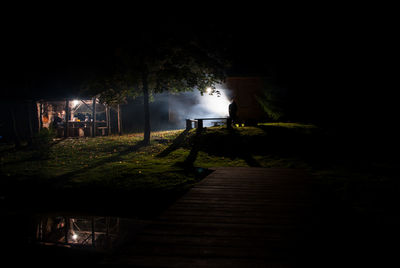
<point x="336" y="54"/>
<point x="54" y="47"/>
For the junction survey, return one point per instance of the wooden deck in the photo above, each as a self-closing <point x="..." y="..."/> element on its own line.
<point x="235" y="217"/>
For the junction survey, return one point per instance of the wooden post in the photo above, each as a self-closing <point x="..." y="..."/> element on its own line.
<point x="146" y="107"/>
<point x="66" y="229"/>
<point x="94" y="118"/>
<point x="66" y="127"/>
<point x="93" y="234"/>
<point x="108" y="232"/>
<point x="119" y="120"/>
<point x="188" y="124"/>
<point x="40" y="116"/>
<point x="200" y="123"/>
<point x="108" y="115"/>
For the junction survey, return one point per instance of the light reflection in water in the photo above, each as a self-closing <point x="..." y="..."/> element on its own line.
<point x="94" y="232"/>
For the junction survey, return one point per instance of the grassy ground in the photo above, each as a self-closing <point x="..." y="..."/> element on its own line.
<point x="91" y="174"/>
<point x="118" y="174"/>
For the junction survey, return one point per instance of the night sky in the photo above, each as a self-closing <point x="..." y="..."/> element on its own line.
<point x="335" y="58"/>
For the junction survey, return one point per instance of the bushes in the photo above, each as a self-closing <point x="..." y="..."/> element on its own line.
<point x="45" y="136"/>
<point x="42" y="142"/>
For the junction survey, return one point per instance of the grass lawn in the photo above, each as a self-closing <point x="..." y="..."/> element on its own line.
<point x="117" y="175"/>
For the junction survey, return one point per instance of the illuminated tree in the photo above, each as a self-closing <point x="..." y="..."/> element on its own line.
<point x="173" y="59"/>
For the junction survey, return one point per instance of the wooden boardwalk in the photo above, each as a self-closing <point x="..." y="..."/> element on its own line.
<point x="235" y="217"/>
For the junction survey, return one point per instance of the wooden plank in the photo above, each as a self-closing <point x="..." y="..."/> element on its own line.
<point x="167" y="261"/>
<point x="217" y="241"/>
<point x="235" y="208"/>
<point x="219" y="226"/>
<point x="227" y="220"/>
<point x="231" y="214"/>
<point x="216" y="199"/>
<point x="272" y="252"/>
<point x="262" y="232"/>
<point x="236" y="217"/>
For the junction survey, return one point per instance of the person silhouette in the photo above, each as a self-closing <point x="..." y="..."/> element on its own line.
<point x="57" y="121"/>
<point x="233" y="112"/>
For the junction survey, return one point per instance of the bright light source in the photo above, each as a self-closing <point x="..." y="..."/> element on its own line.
<point x="75" y="236"/>
<point x="75" y="103"/>
<point x="208" y="90"/>
<point x="216" y="104"/>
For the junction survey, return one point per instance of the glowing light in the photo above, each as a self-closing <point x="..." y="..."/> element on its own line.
<point x="75" y="236"/>
<point x="216" y="104"/>
<point x="208" y="90"/>
<point x="75" y="103"/>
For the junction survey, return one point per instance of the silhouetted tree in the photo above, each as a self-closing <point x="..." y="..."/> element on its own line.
<point x="170" y="58"/>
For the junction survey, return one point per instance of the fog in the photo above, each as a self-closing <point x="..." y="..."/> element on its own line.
<point x="193" y="105"/>
<point x="170" y="111"/>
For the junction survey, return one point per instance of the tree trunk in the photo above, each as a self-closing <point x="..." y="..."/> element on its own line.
<point x="107" y="112"/>
<point x="94" y="118"/>
<point x="35" y="117"/>
<point x="40" y="116"/>
<point x="67" y="112"/>
<point x="109" y="121"/>
<point x="119" y="121"/>
<point x="146" y="139"/>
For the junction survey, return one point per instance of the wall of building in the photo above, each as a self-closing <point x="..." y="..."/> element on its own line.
<point x="244" y="90"/>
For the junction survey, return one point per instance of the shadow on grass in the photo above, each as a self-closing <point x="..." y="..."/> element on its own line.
<point x="230" y="143"/>
<point x="175" y="144"/>
<point x="38" y="193"/>
<point x="236" y="149"/>
<point x="65" y="177"/>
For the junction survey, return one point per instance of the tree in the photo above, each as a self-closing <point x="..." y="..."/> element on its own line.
<point x="171" y="58"/>
<point x="274" y="101"/>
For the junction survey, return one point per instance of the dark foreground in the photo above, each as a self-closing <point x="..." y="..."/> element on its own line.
<point x="254" y="217"/>
<point x="239" y="217"/>
<point x="236" y="217"/>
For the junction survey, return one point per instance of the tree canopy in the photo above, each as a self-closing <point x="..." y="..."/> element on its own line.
<point x="173" y="59"/>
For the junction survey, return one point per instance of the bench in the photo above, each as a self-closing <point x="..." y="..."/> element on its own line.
<point x="198" y="122"/>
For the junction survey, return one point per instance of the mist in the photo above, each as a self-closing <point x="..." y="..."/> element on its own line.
<point x="193" y="105"/>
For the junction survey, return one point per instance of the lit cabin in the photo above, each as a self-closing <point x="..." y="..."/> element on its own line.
<point x="78" y="117"/>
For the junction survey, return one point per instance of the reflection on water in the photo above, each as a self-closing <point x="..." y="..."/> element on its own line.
<point x="93" y="232"/>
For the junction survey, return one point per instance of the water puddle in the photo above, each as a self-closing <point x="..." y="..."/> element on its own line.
<point x="95" y="232"/>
